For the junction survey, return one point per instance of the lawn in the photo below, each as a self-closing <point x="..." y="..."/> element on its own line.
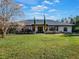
<point x="39" y="46"/>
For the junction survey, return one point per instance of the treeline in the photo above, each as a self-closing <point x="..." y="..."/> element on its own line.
<point x="72" y="20"/>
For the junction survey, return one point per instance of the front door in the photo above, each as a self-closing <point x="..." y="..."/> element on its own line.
<point x="40" y="29"/>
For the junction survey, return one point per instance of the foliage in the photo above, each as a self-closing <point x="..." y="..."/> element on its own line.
<point x="34" y="23"/>
<point x="44" y="23"/>
<point x="8" y="10"/>
<point x="72" y="20"/>
<point x="76" y="26"/>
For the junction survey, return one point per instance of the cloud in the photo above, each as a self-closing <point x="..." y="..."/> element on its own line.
<point x="47" y="2"/>
<point x="51" y="17"/>
<point x="39" y="15"/>
<point x="47" y="17"/>
<point x="56" y="1"/>
<point x="36" y="13"/>
<point x="50" y="2"/>
<point x="23" y="6"/>
<point x="52" y="10"/>
<point x="39" y="8"/>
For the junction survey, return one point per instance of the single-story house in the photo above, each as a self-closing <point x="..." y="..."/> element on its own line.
<point x="50" y="27"/>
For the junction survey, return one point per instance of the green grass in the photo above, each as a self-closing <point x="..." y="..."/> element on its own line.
<point x="40" y="46"/>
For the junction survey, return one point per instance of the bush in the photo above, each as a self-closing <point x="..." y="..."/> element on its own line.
<point x="11" y="30"/>
<point x="24" y="31"/>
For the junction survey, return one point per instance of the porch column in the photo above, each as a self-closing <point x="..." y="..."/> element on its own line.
<point x="43" y="29"/>
<point x="48" y="28"/>
<point x="31" y="27"/>
<point x="36" y="29"/>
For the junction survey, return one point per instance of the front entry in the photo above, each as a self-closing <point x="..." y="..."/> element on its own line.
<point x="40" y="29"/>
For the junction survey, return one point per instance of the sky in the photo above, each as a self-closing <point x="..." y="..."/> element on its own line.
<point x="52" y="9"/>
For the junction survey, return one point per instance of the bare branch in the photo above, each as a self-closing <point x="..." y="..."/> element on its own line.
<point x="8" y="9"/>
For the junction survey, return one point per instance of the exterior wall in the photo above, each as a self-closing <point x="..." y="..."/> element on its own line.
<point x="28" y="27"/>
<point x="48" y="29"/>
<point x="36" y="28"/>
<point x="54" y="30"/>
<point x="61" y="29"/>
<point x="43" y="29"/>
<point x="70" y="29"/>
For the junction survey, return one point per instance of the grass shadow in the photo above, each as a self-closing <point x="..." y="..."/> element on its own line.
<point x="72" y="34"/>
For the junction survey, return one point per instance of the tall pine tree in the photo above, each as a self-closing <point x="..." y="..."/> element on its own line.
<point x="44" y="23"/>
<point x="34" y="23"/>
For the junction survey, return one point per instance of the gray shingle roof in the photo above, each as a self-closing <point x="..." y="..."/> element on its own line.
<point x="49" y="22"/>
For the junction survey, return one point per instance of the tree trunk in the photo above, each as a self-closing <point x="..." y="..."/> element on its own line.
<point x="3" y="34"/>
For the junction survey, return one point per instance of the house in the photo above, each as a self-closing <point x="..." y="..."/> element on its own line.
<point x="49" y="27"/>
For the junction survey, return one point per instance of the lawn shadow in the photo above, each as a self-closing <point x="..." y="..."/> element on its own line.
<point x="71" y="34"/>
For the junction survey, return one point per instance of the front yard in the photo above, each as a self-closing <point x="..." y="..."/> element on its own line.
<point x="39" y="46"/>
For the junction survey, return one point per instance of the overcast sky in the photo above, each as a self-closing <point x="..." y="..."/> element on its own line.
<point x="53" y="9"/>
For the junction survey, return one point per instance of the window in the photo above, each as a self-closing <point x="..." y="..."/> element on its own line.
<point x="65" y="29"/>
<point x="53" y="28"/>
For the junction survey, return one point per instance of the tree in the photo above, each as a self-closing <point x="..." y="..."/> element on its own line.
<point x="76" y="26"/>
<point x="12" y="28"/>
<point x="77" y="20"/>
<point x="34" y="23"/>
<point x="62" y="20"/>
<point x="44" y="23"/>
<point x="8" y="9"/>
<point x="72" y="21"/>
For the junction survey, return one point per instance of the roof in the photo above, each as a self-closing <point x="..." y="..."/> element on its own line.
<point x="48" y="22"/>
